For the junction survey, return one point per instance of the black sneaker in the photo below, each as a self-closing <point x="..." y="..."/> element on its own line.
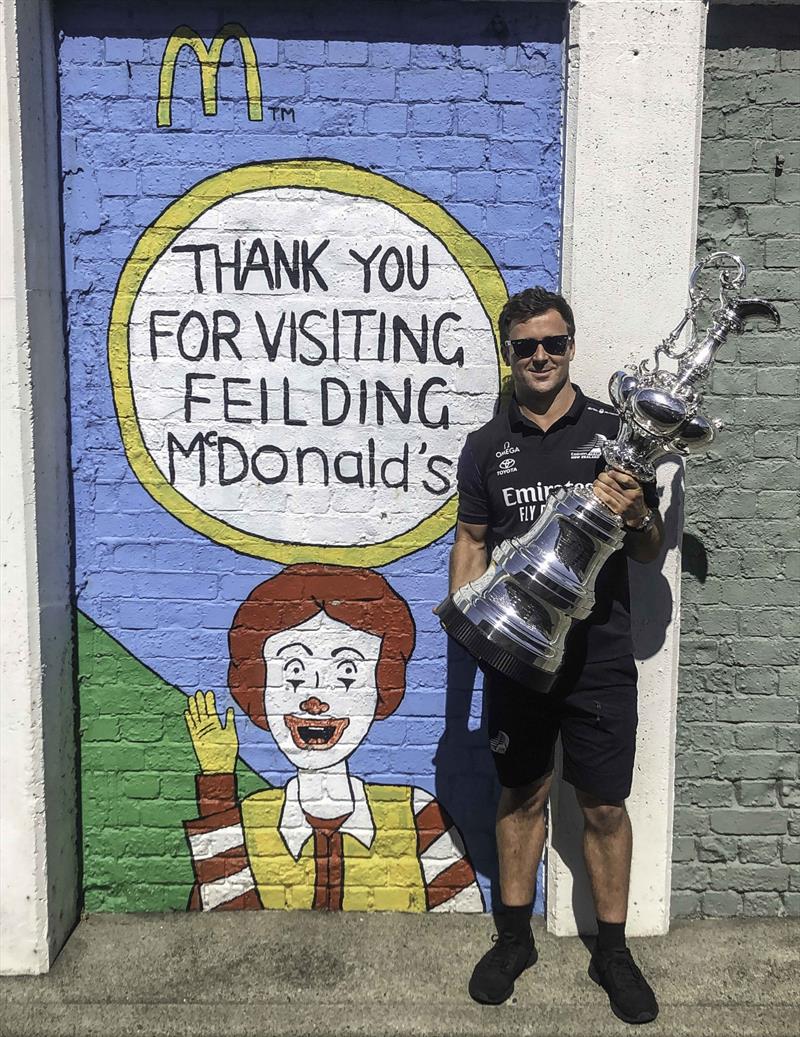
<point x="630" y="995"/>
<point x="492" y="980"/>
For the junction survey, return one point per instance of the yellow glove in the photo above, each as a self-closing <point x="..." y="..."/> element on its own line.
<point x="216" y="745"/>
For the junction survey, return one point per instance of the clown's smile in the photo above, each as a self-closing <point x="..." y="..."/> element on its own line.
<point x="315" y="732"/>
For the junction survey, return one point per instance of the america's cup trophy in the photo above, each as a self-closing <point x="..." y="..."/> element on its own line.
<point x="516" y="616"/>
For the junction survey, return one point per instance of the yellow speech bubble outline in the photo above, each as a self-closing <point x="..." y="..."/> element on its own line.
<point x="321" y="174"/>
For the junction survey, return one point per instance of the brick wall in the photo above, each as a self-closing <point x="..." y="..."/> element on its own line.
<point x="452" y="112"/>
<point x="737" y="815"/>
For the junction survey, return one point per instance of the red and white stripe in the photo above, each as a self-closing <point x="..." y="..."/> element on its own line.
<point x="224" y="880"/>
<point x="450" y="882"/>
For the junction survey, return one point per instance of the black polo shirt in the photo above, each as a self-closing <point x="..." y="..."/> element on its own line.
<point x="508" y="469"/>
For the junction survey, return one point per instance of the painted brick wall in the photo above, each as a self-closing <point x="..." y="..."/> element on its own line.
<point x="452" y="113"/>
<point x="737" y="817"/>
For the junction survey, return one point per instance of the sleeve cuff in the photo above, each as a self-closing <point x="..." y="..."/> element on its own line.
<point x="215" y="792"/>
<point x="475" y="520"/>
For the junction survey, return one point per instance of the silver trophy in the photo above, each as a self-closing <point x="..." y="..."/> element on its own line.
<point x="517" y="615"/>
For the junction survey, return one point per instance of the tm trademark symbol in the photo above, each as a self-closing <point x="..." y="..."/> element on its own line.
<point x="281" y="114"/>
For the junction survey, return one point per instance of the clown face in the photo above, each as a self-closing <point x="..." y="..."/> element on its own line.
<point x="321" y="694"/>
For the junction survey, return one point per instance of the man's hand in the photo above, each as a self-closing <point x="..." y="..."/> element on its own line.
<point x="216" y="746"/>
<point x="622" y="494"/>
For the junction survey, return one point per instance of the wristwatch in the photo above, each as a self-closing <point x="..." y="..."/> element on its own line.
<point x="645" y="524"/>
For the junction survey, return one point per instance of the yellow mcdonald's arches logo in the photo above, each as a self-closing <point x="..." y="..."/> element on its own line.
<point x="209" y="59"/>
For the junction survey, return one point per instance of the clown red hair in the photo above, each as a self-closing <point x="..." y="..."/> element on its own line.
<point x="358" y="597"/>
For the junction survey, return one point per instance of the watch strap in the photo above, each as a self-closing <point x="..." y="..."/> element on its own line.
<point x="645" y="524"/>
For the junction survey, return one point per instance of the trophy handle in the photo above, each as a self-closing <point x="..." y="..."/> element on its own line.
<point x="729" y="280"/>
<point x="745" y="309"/>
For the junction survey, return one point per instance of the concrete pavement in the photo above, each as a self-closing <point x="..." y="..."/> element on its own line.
<point x="301" y="973"/>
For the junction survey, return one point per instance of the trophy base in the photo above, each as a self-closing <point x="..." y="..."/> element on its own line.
<point x="488" y="651"/>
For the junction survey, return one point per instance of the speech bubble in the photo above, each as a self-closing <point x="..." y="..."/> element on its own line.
<point x="297" y="351"/>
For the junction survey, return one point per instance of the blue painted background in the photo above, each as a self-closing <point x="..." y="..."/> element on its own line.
<point x="459" y="101"/>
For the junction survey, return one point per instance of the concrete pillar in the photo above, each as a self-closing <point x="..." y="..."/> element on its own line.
<point x="634" y="105"/>
<point x="38" y="785"/>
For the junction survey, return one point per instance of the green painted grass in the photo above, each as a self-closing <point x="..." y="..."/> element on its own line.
<point x="137" y="780"/>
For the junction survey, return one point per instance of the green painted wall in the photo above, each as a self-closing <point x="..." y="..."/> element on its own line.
<point x="138" y="769"/>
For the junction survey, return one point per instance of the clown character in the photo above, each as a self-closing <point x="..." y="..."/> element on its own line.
<point x="317" y="654"/>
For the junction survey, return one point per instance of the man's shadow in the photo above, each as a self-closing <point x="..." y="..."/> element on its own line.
<point x="465" y="776"/>
<point x="652" y="603"/>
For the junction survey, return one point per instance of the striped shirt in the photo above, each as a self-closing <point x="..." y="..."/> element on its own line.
<point x="397" y="848"/>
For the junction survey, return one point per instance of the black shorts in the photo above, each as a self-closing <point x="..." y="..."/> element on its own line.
<point x="594" y="711"/>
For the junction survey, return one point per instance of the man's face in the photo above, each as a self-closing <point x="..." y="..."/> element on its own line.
<point x="321" y="695"/>
<point x="542" y="374"/>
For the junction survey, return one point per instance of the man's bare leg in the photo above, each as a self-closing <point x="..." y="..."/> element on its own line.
<point x="520" y="840"/>
<point x="607" y="847"/>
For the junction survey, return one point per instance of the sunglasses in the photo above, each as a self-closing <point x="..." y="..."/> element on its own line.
<point x="555" y="345"/>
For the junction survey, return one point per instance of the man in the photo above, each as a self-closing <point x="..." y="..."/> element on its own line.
<point x="550" y="436"/>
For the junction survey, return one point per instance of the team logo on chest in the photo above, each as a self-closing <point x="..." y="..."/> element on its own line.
<point x="592" y="449"/>
<point x="507" y="464"/>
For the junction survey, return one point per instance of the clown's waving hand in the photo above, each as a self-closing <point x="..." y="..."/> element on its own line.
<point x="216" y="745"/>
<point x="317" y="654"/>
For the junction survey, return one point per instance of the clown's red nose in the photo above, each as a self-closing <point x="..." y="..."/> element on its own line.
<point x="314" y="706"/>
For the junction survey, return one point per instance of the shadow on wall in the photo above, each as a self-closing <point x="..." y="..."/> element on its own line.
<point x="694" y="558"/>
<point x="651" y="597"/>
<point x="735" y="27"/>
<point x="465" y="775"/>
<point x="483" y="23"/>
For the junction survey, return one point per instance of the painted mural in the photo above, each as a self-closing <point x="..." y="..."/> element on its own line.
<point x="288" y="234"/>
<point x="318" y="654"/>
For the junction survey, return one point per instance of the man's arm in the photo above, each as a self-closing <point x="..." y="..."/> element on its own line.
<point x="223" y="877"/>
<point x="645" y="547"/>
<point x="468" y="557"/>
<point x="625" y="497"/>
